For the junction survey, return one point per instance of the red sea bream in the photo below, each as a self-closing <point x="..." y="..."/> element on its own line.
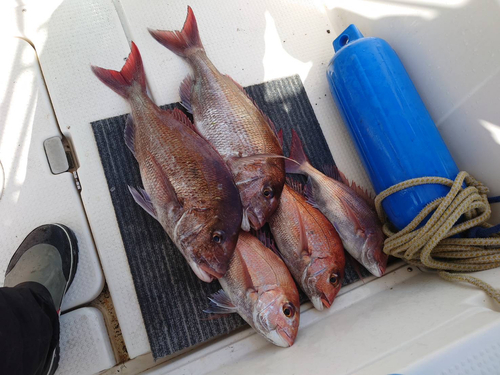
<point x="187" y="186"/>
<point x="226" y="117"/>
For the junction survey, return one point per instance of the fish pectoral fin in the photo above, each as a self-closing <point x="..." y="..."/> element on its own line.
<point x="303" y="246"/>
<point x="220" y="304"/>
<point x="295" y="185"/>
<point x="142" y="199"/>
<point x="185" y="92"/>
<point x="351" y="215"/>
<point x="129" y="134"/>
<point x="168" y="188"/>
<point x="245" y="276"/>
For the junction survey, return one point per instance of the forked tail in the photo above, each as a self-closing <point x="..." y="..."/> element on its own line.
<point x="121" y="82"/>
<point x="180" y="42"/>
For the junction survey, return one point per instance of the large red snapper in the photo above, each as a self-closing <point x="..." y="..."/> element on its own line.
<point x="225" y="116"/>
<point x="310" y="247"/>
<point x="259" y="287"/>
<point x="187" y="186"/>
<point x="353" y="218"/>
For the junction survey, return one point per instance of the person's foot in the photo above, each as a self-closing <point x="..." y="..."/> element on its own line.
<point x="49" y="256"/>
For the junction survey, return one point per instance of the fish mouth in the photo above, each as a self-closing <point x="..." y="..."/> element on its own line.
<point x="200" y="271"/>
<point x="255" y="222"/>
<point x="377" y="270"/>
<point x="382" y="270"/>
<point x="326" y="301"/>
<point x="211" y="271"/>
<point x="245" y="223"/>
<point x="317" y="303"/>
<point x="284" y="335"/>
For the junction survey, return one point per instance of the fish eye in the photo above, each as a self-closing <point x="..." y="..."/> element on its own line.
<point x="268" y="192"/>
<point x="334" y="279"/>
<point x="288" y="310"/>
<point x="217" y="236"/>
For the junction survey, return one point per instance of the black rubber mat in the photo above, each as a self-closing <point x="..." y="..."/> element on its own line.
<point x="170" y="295"/>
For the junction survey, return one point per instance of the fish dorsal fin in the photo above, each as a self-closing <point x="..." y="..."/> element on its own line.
<point x="185" y="93"/>
<point x="246" y="276"/>
<point x="367" y="197"/>
<point x="220" y="304"/>
<point x="181" y="117"/>
<point x="336" y="174"/>
<point x="269" y="121"/>
<point x="264" y="235"/>
<point x="142" y="199"/>
<point x="129" y="134"/>
<point x="333" y="172"/>
<point x="295" y="185"/>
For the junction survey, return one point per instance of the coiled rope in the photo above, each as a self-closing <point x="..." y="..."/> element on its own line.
<point x="432" y="246"/>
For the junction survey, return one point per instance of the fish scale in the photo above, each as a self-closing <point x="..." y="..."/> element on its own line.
<point x="345" y="207"/>
<point x="227" y="118"/>
<point x="240" y="126"/>
<point x="188" y="188"/>
<point x="310" y="246"/>
<point x="259" y="287"/>
<point x="181" y="171"/>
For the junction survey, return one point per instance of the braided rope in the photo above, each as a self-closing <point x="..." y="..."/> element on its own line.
<point x="431" y="245"/>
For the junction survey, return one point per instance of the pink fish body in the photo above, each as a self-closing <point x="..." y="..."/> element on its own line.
<point x="259" y="287"/>
<point x="232" y="123"/>
<point x="187" y="186"/>
<point x="353" y="218"/>
<point x="310" y="247"/>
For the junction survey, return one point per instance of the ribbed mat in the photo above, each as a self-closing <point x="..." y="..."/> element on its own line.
<point x="170" y="295"/>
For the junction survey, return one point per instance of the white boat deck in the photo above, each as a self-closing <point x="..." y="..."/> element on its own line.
<point x="400" y="323"/>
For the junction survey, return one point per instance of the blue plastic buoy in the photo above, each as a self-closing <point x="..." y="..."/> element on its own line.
<point x="389" y="124"/>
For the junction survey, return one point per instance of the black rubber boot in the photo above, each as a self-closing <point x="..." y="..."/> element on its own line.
<point x="47" y="258"/>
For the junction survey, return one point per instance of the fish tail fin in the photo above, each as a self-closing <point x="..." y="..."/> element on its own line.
<point x="121" y="82"/>
<point x="180" y="42"/>
<point x="299" y="159"/>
